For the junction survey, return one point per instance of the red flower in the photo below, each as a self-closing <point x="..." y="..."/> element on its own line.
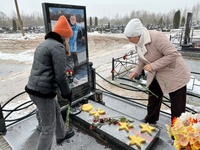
<point x="116" y="122"/>
<point x="95" y="120"/>
<point x="91" y="127"/>
<point x="173" y="121"/>
<point x="70" y="71"/>
<point x="124" y="57"/>
<point x="101" y="120"/>
<point x="195" y="120"/>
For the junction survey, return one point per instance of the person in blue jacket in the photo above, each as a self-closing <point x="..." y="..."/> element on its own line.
<point x="73" y="40"/>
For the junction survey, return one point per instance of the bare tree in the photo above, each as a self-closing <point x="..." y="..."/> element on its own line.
<point x="196" y="12"/>
<point x="4" y="19"/>
<point x="149" y="19"/>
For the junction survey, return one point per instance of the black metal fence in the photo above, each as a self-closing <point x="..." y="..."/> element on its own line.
<point x="120" y="69"/>
<point x="121" y="66"/>
<point x="178" y="38"/>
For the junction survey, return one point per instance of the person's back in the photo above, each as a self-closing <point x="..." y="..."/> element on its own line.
<point x="48" y="75"/>
<point x="167" y="73"/>
<point x="49" y="56"/>
<point x="42" y="69"/>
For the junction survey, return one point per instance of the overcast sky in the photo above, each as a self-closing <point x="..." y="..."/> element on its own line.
<point x="101" y="8"/>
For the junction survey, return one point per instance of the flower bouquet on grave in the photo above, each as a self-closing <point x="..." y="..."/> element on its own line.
<point x="99" y="122"/>
<point x="185" y="131"/>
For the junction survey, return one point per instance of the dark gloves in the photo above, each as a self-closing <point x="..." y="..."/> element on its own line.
<point x="69" y="97"/>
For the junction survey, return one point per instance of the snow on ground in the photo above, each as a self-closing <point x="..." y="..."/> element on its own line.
<point x="26" y="56"/>
<point x="102" y="48"/>
<point x="18" y="36"/>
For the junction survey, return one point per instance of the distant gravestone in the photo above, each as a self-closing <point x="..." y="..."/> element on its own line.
<point x="187" y="28"/>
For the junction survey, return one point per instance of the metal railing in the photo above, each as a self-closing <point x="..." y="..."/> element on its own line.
<point x="19" y="110"/>
<point x="122" y="65"/>
<point x="13" y="111"/>
<point x="194" y="40"/>
<point x="121" y="68"/>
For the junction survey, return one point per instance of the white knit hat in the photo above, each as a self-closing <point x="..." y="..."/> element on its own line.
<point x="133" y="28"/>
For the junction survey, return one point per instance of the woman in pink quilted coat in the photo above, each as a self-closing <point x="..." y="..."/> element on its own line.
<point x="167" y="70"/>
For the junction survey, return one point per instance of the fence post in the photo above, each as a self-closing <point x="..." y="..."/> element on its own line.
<point x="2" y="122"/>
<point x="113" y="68"/>
<point x="92" y="77"/>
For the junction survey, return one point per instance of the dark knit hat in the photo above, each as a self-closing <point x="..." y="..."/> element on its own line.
<point x="62" y="27"/>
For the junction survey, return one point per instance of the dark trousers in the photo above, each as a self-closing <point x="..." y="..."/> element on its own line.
<point x="177" y="99"/>
<point x="75" y="58"/>
<point x="51" y="121"/>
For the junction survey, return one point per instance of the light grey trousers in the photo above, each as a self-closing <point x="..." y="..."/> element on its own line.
<point x="51" y="121"/>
